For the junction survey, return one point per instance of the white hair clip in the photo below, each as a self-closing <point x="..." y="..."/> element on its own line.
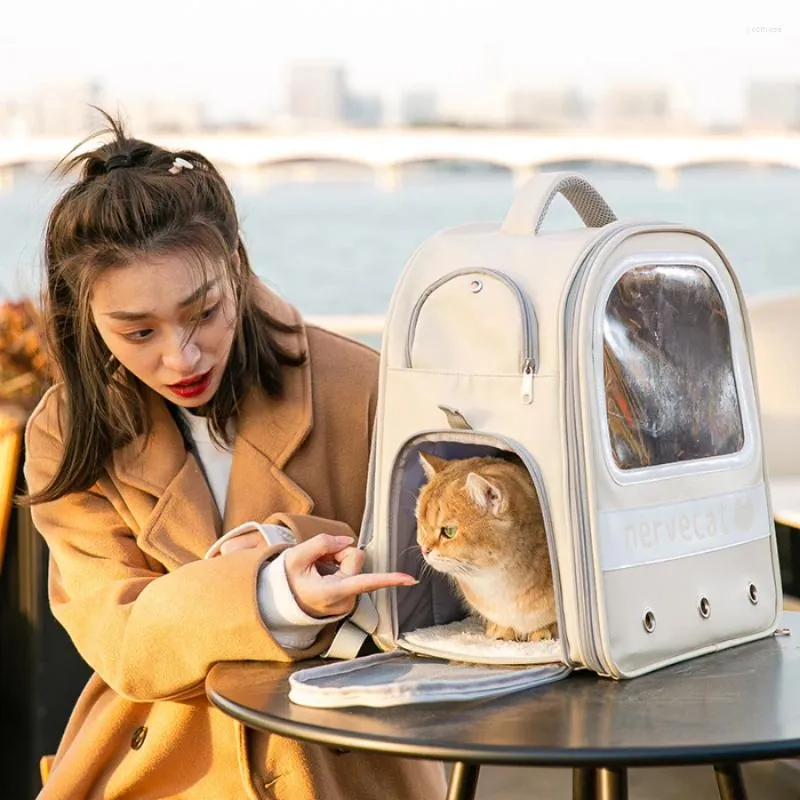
<point x="180" y="164"/>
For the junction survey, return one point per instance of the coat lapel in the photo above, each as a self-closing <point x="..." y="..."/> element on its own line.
<point x="180" y="519"/>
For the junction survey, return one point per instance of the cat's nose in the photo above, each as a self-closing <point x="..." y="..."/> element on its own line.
<point x="425" y="550"/>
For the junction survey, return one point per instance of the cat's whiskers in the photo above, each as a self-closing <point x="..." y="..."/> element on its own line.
<point x="466" y="570"/>
<point x="426" y="569"/>
<point x="455" y="567"/>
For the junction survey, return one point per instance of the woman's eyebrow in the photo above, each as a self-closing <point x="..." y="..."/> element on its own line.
<point x="134" y="316"/>
<point x="198" y="293"/>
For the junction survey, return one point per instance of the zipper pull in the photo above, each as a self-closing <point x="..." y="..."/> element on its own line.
<point x="783" y="632"/>
<point x="527" y="382"/>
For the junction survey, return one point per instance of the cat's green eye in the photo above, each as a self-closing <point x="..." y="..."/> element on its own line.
<point x="448" y="531"/>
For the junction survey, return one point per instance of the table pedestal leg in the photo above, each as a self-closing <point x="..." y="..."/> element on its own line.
<point x="730" y="782"/>
<point x="463" y="781"/>
<point x="599" y="784"/>
<point x="612" y="784"/>
<point x="584" y="784"/>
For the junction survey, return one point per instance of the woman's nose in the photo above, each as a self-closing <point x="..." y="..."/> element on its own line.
<point x="182" y="356"/>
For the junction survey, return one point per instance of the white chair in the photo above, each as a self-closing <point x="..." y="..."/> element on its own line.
<point x="775" y="332"/>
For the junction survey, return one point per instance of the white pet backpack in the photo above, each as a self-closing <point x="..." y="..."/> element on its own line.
<point x="613" y="360"/>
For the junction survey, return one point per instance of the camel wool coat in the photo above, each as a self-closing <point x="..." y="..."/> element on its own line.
<point x="128" y="582"/>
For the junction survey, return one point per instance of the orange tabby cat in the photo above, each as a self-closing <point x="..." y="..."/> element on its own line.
<point x="479" y="521"/>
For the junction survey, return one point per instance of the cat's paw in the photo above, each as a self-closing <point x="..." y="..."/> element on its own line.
<point x="495" y="631"/>
<point x="545" y="634"/>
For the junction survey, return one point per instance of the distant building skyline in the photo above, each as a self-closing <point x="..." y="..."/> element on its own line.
<point x="772" y="105"/>
<point x="543" y="109"/>
<point x="317" y="92"/>
<point x="635" y="107"/>
<point x="319" y="95"/>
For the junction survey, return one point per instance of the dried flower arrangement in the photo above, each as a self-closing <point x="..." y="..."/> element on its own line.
<point x="24" y="376"/>
<point x="24" y="366"/>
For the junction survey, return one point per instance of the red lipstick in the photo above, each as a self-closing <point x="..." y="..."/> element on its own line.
<point x="192" y="387"/>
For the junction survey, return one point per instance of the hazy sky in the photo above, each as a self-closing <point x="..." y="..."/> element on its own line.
<point x="234" y="53"/>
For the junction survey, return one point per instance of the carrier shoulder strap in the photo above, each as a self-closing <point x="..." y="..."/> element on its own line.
<point x="354" y="631"/>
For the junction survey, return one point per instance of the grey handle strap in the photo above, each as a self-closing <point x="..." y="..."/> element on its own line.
<point x="532" y="202"/>
<point x="354" y="631"/>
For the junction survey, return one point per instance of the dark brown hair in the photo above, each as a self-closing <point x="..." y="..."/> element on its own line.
<point x="131" y="203"/>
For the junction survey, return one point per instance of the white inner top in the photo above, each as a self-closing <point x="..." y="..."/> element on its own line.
<point x="289" y="625"/>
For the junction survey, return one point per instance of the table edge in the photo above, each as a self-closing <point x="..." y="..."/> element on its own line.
<point x="510" y="756"/>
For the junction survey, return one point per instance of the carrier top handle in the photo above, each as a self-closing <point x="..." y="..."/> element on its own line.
<point x="533" y="200"/>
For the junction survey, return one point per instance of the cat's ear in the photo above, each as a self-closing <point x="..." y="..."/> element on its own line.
<point x="486" y="495"/>
<point x="431" y="464"/>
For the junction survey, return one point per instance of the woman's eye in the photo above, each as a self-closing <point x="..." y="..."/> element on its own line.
<point x="205" y="316"/>
<point x="139" y="336"/>
<point x="448" y="531"/>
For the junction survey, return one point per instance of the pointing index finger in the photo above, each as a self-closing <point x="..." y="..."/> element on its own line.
<point x="370" y="581"/>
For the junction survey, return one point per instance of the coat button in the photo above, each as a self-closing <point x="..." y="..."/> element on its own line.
<point x="139" y="735"/>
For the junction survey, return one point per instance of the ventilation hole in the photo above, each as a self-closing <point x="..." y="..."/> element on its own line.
<point x="475" y="286"/>
<point x="752" y="593"/>
<point x="649" y="621"/>
<point x="704" y="608"/>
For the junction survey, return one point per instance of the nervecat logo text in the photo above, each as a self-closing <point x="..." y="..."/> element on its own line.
<point x="686" y="527"/>
<point x="646" y="535"/>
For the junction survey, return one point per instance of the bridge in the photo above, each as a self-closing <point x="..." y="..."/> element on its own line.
<point x="387" y="151"/>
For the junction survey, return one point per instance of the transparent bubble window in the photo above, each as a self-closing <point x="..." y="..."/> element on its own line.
<point x="670" y="388"/>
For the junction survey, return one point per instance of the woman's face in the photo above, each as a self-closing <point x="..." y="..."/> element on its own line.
<point x="154" y="319"/>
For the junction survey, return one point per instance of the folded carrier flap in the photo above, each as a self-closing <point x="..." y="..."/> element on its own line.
<point x="393" y="679"/>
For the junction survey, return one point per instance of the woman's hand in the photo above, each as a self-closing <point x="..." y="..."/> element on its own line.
<point x="324" y="574"/>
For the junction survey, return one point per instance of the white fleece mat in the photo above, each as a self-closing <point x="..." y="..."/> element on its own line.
<point x="465" y="640"/>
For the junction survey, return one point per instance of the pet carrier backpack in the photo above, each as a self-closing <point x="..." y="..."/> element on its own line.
<point x="614" y="361"/>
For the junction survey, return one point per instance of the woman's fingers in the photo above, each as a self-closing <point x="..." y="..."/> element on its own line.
<point x="325" y="576"/>
<point x="351" y="586"/>
<point x="303" y="555"/>
<point x="330" y="595"/>
<point x="350" y="560"/>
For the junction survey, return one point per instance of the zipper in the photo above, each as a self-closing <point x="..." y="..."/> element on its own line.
<point x="527" y="382"/>
<point x="527" y="316"/>
<point x="582" y="573"/>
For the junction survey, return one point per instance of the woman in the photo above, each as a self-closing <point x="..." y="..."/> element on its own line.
<point x="191" y="401"/>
